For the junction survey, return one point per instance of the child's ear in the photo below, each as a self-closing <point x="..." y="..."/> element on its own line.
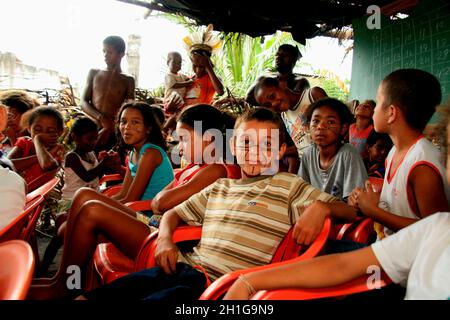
<point x="393" y="112"/>
<point x="282" y="150"/>
<point x="233" y="145"/>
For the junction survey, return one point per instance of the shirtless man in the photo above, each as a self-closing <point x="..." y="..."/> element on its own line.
<point x="285" y="60"/>
<point x="106" y="90"/>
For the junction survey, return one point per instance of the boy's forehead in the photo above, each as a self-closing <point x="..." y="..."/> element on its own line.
<point x="325" y="111"/>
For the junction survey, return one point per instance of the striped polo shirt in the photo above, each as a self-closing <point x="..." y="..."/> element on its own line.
<point x="245" y="220"/>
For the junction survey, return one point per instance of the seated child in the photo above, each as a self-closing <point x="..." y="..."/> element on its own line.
<point x="359" y="131"/>
<point x="377" y="148"/>
<point x="17" y="103"/>
<point x="330" y="165"/>
<point x="81" y="168"/>
<point x="413" y="185"/>
<point x="35" y="155"/>
<point x="415" y="257"/>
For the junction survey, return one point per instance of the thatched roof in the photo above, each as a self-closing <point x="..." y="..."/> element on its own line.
<point x="304" y="19"/>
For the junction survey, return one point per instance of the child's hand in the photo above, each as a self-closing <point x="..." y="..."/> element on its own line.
<point x="166" y="255"/>
<point x="353" y="198"/>
<point x="49" y="140"/>
<point x="367" y="199"/>
<point x="57" y="151"/>
<point x="102" y="155"/>
<point x="310" y="223"/>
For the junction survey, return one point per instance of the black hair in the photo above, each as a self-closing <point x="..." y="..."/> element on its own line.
<point x="292" y="50"/>
<point x="18" y="100"/>
<point x="173" y="53"/>
<point x="116" y="42"/>
<point x="376" y="136"/>
<point x="48" y="112"/>
<point x="209" y="116"/>
<point x="159" y="113"/>
<point x="261" y="114"/>
<point x="201" y="52"/>
<point x="150" y="121"/>
<point x="344" y="114"/>
<point x="415" y="92"/>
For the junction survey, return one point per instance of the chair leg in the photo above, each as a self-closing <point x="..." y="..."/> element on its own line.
<point x="37" y="259"/>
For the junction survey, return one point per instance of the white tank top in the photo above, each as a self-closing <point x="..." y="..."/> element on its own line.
<point x="72" y="182"/>
<point x="394" y="195"/>
<point x="293" y="121"/>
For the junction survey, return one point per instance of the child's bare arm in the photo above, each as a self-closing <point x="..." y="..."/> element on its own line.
<point x="45" y="158"/>
<point x="182" y="84"/>
<point x="169" y="198"/>
<point x="149" y="161"/>
<point x="166" y="253"/>
<point x="73" y="161"/>
<point x="325" y="271"/>
<point x="310" y="222"/>
<point x="86" y="98"/>
<point x="130" y="89"/>
<point x="218" y="86"/>
<point x="125" y="185"/>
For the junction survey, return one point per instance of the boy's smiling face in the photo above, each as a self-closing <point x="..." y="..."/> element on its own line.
<point x="256" y="145"/>
<point x="326" y="127"/>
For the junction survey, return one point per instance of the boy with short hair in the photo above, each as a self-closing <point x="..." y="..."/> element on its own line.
<point x="413" y="185"/>
<point x="106" y="90"/>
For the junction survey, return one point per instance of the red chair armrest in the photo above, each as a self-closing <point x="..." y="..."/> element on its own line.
<point x="146" y="255"/>
<point x="354" y="286"/>
<point x="110" y="177"/>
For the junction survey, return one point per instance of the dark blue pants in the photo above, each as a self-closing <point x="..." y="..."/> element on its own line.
<point x="187" y="284"/>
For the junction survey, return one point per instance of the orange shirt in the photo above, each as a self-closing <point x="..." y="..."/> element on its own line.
<point x="201" y="91"/>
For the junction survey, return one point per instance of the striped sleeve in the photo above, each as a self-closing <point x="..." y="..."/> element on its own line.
<point x="192" y="211"/>
<point x="302" y="195"/>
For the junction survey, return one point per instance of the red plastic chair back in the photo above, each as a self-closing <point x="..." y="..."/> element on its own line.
<point x="20" y="227"/>
<point x="41" y="180"/>
<point x="42" y="190"/>
<point x="16" y="269"/>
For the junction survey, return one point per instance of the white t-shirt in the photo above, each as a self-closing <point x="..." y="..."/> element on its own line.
<point x="12" y="196"/>
<point x="418" y="257"/>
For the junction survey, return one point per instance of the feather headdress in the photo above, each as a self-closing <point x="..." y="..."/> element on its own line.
<point x="203" y="39"/>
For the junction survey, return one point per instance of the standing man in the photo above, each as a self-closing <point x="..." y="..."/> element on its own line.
<point x="106" y="90"/>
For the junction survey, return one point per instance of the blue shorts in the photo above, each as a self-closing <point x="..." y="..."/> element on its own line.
<point x="186" y="285"/>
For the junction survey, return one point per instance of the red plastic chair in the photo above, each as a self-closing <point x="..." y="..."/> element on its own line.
<point x="43" y="190"/>
<point x="357" y="285"/>
<point x="41" y="180"/>
<point x="16" y="269"/>
<point x="219" y="287"/>
<point x="377" y="183"/>
<point x="110" y="177"/>
<point x="22" y="226"/>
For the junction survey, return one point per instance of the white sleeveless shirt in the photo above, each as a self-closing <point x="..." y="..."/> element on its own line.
<point x="394" y="195"/>
<point x="72" y="182"/>
<point x="293" y="121"/>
